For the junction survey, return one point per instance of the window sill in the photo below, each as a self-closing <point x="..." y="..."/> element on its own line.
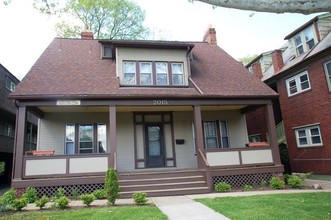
<point x="299" y="93"/>
<point x="310" y="146"/>
<point x="153" y="86"/>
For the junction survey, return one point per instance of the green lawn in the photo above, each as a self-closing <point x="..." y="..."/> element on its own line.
<point x="117" y="212"/>
<point x="280" y="206"/>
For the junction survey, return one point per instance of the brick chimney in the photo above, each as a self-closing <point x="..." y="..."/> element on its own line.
<point x="210" y="36"/>
<point x="277" y="60"/>
<point x="87" y="35"/>
<point x="257" y="70"/>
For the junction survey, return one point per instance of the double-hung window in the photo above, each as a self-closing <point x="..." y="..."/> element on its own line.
<point x="305" y="40"/>
<point x="309" y="37"/>
<point x="161" y="73"/>
<point x="10" y="85"/>
<point x="146" y="73"/>
<point x="177" y="73"/>
<point x="129" y="69"/>
<point x="216" y="134"/>
<point x="327" y="70"/>
<point x="298" y="44"/>
<point x="298" y="83"/>
<point x="85" y="138"/>
<point x="309" y="136"/>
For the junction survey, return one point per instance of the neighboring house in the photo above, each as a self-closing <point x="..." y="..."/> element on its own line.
<point x="169" y="116"/>
<point x="301" y="73"/>
<point x="8" y="109"/>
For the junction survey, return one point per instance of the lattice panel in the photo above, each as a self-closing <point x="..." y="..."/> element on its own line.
<point x="238" y="181"/>
<point x="82" y="189"/>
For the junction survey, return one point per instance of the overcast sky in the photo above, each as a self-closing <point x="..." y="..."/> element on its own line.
<point x="25" y="33"/>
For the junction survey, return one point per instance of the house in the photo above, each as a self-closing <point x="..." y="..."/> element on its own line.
<point x="301" y="73"/>
<point x="169" y="116"/>
<point x="8" y="83"/>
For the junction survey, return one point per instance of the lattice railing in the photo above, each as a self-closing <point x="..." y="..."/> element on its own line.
<point x="82" y="189"/>
<point x="238" y="181"/>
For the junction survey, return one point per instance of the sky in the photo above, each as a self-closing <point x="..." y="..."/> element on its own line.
<point x="25" y="33"/>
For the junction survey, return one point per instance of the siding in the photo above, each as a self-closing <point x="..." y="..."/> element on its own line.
<point x="324" y="27"/>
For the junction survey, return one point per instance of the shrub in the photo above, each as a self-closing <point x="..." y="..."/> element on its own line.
<point x="30" y="195"/>
<point x="277" y="183"/>
<point x="295" y="182"/>
<point x="99" y="194"/>
<point x="20" y="203"/>
<point x="60" y="192"/>
<point x="87" y="199"/>
<point x="8" y="198"/>
<point x="42" y="202"/>
<point x="264" y="184"/>
<point x="222" y="187"/>
<point x="62" y="202"/>
<point x="74" y="193"/>
<point x="247" y="188"/>
<point x="112" y="186"/>
<point x="140" y="198"/>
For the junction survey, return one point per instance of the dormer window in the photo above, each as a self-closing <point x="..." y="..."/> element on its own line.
<point x="107" y="52"/>
<point x="10" y="85"/>
<point x="305" y="40"/>
<point x="153" y="73"/>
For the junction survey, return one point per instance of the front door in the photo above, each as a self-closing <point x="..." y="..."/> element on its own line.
<point x="154" y="145"/>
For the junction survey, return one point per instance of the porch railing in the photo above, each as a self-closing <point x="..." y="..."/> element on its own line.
<point x="239" y="156"/>
<point x="208" y="176"/>
<point x="64" y="165"/>
<point x="281" y="137"/>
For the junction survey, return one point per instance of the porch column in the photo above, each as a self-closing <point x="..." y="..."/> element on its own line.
<point x="112" y="136"/>
<point x="273" y="134"/>
<point x="19" y="142"/>
<point x="199" y="143"/>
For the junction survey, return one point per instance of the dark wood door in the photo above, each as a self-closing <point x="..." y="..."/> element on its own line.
<point x="154" y="145"/>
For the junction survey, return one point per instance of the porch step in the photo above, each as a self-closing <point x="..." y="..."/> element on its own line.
<point x="163" y="183"/>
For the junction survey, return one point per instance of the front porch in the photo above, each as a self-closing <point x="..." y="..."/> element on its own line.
<point x="159" y="137"/>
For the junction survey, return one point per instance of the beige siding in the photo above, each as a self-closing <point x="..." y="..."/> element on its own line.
<point x="236" y="125"/>
<point x="185" y="154"/>
<point x="51" y="129"/>
<point x="150" y="55"/>
<point x="125" y="142"/>
<point x="45" y="167"/>
<point x="324" y="27"/>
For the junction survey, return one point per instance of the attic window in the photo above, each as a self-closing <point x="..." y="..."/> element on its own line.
<point x="305" y="40"/>
<point x="107" y="52"/>
<point x="10" y="85"/>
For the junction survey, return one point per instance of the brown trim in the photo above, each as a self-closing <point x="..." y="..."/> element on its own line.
<point x="246" y="170"/>
<point x="198" y="130"/>
<point x="273" y="134"/>
<point x="19" y="142"/>
<point x="36" y="111"/>
<point x="112" y="135"/>
<point x="135" y="142"/>
<point x="237" y="149"/>
<point x="173" y="139"/>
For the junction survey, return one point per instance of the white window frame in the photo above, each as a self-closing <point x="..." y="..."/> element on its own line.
<point x="10" y="85"/>
<point x="298" y="83"/>
<point x="304" y="42"/>
<point x="150" y="72"/>
<point x="173" y="74"/>
<point x="135" y="73"/>
<point x="308" y="136"/>
<point x="328" y="74"/>
<point x="162" y="73"/>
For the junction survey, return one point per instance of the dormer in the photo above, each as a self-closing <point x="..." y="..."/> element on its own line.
<point x="308" y="35"/>
<point x="149" y="63"/>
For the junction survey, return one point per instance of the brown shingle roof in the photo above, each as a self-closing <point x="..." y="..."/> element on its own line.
<point x="73" y="68"/>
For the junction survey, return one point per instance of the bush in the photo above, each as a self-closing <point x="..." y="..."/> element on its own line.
<point x="295" y="182"/>
<point x="20" y="203"/>
<point x="60" y="192"/>
<point x="277" y="183"/>
<point x="112" y="188"/>
<point x="74" y="193"/>
<point x="42" y="202"/>
<point x="140" y="198"/>
<point x="30" y="195"/>
<point x="87" y="199"/>
<point x="222" y="187"/>
<point x="247" y="188"/>
<point x="264" y="184"/>
<point x="99" y="194"/>
<point x="62" y="202"/>
<point x="8" y="199"/>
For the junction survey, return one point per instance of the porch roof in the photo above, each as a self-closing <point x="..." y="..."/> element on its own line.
<point x="73" y="68"/>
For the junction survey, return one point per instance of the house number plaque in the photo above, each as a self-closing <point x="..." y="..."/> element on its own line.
<point x="68" y="102"/>
<point x="160" y="102"/>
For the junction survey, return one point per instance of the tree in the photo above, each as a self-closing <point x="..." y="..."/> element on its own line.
<point x="275" y="6"/>
<point x="245" y="60"/>
<point x="108" y="19"/>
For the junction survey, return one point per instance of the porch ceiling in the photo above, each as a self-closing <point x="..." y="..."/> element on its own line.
<point x="137" y="108"/>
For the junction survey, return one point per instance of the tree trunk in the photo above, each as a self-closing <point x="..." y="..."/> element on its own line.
<point x="275" y="6"/>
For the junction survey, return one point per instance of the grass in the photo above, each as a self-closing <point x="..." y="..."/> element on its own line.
<point x="119" y="212"/>
<point x="279" y="206"/>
